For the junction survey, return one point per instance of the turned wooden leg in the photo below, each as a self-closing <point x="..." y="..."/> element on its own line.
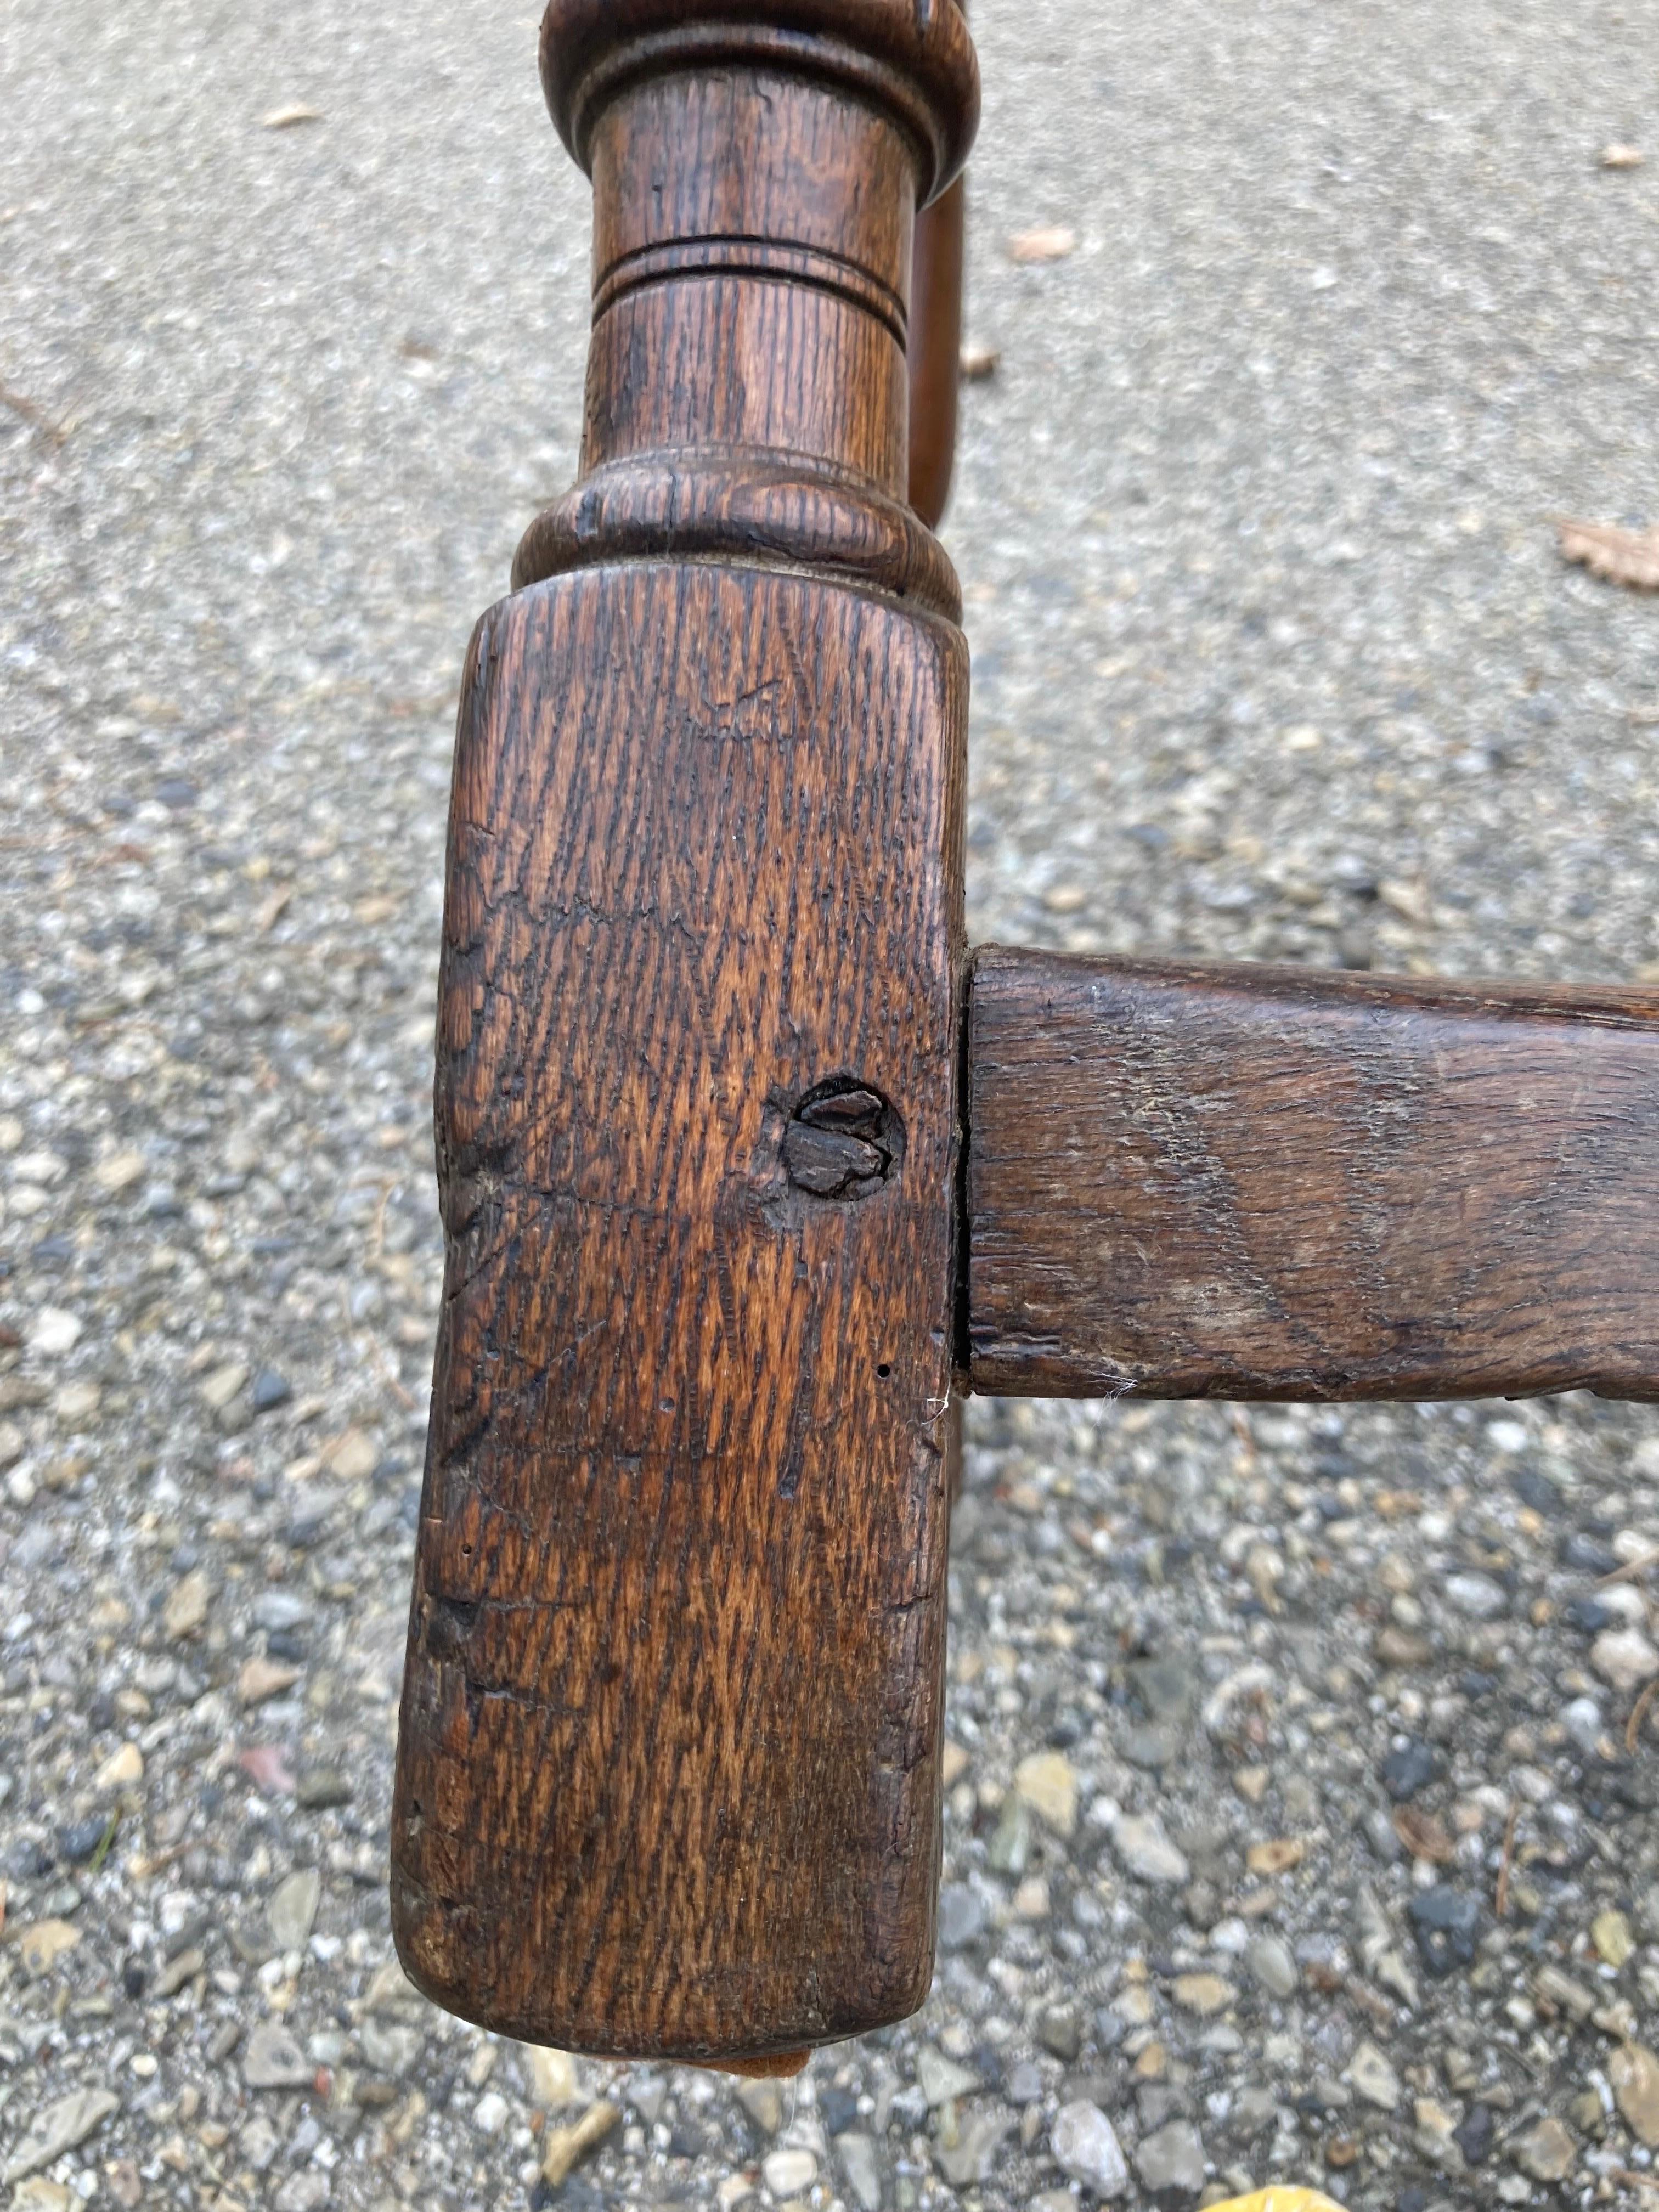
<point x="669" y="1772"/>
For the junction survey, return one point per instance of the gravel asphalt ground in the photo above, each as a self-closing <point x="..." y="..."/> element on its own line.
<point x="1257" y="1718"/>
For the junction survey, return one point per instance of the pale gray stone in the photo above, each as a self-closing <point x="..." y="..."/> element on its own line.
<point x="1477" y="1596"/>
<point x="940" y="2078"/>
<point x="1144" y="1851"/>
<point x="1173" y="2158"/>
<point x="1086" y="2148"/>
<point x="293" y="1909"/>
<point x="979" y="2135"/>
<point x="1624" y="1657"/>
<point x="1270" y="1959"/>
<point x="304" y="2191"/>
<point x="59" y="2126"/>
<point x="789" y="2172"/>
<point x="961" y="1916"/>
<point x="389" y="2047"/>
<point x="258" y="2142"/>
<point x="1374" y="2078"/>
<point x="861" y="2161"/>
<point x="1546" y="2150"/>
<point x="764" y="2102"/>
<point x="273" y="2060"/>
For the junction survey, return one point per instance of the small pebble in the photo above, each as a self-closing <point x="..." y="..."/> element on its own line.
<point x="1203" y="1994"/>
<point x="1171" y="2158"/>
<point x="293" y="1909"/>
<point x="123" y="1769"/>
<point x="1624" y="1657"/>
<point x="1445" y="1923"/>
<point x="1474" y="2133"/>
<point x="1546" y="2151"/>
<point x="1048" y="1783"/>
<point x="270" y="1390"/>
<point x="1373" y="2077"/>
<point x="789" y="2172"/>
<point x="941" y="2079"/>
<point x="1011" y="1842"/>
<point x="1612" y="1936"/>
<point x="961" y="1916"/>
<point x="1086" y="2148"/>
<point x="764" y="2102"/>
<point x="1477" y="1596"/>
<point x="80" y="1840"/>
<point x="1634" y="2072"/>
<point x="489" y="2113"/>
<point x="57" y="2127"/>
<point x="1270" y="1960"/>
<point x="320" y="1787"/>
<point x="1409" y="1767"/>
<point x="273" y="2060"/>
<point x="1146" y="1852"/>
<point x="861" y="2161"/>
<point x="1584" y="1723"/>
<point x="978" y="2137"/>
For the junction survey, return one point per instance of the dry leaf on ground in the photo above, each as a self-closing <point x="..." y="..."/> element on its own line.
<point x="1050" y="245"/>
<point x="284" y="118"/>
<point x="1621" y="556"/>
<point x="1278" y="1856"/>
<point x="268" y="1764"/>
<point x="1423" y="1836"/>
<point x="21" y="404"/>
<point x="564" y="2147"/>
<point x="1622" y="157"/>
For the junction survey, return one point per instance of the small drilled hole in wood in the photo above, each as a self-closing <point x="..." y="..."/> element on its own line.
<point x="883" y="1369"/>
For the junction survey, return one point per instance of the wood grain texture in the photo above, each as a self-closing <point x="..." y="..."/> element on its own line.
<point x="1257" y="1182"/>
<point x="935" y="352"/>
<point x="668" y="1775"/>
<point x="669" y="1768"/>
<point x="752" y="249"/>
<point x="912" y="59"/>
<point x="756" y="171"/>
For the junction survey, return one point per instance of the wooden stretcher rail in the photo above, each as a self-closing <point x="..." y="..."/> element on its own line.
<point x="1274" y="1183"/>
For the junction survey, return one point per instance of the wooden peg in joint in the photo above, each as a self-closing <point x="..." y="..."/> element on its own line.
<point x="841" y="1141"/>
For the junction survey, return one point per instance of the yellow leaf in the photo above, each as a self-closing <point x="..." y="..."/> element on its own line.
<point x="1278" y="2200"/>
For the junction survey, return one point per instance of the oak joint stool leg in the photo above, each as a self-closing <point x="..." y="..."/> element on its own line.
<point x="669" y="1772"/>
